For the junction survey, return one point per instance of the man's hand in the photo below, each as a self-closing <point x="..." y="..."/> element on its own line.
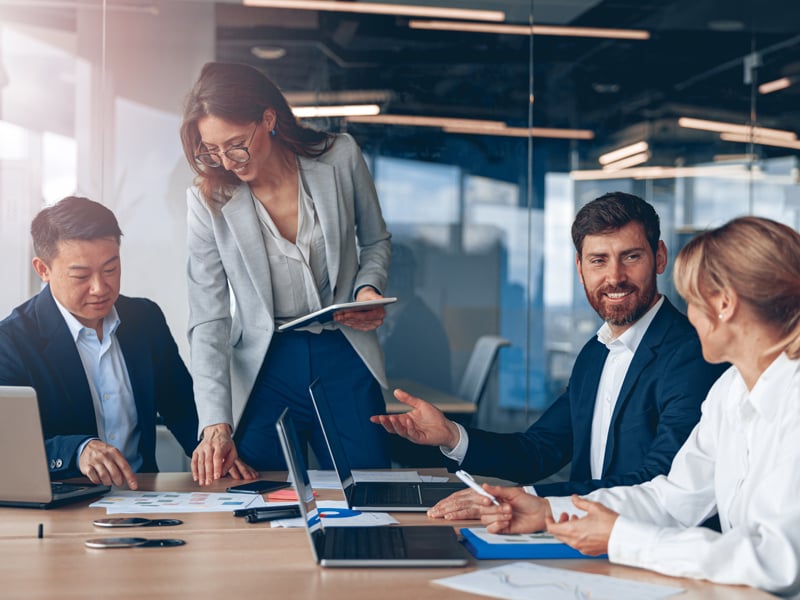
<point x="464" y="504"/>
<point x="363" y="320"/>
<point x="214" y="455"/>
<point x="423" y="424"/>
<point x="519" y="512"/>
<point x="103" y="463"/>
<point x="589" y="534"/>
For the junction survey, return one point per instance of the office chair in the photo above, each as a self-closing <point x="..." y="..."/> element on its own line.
<point x="476" y="373"/>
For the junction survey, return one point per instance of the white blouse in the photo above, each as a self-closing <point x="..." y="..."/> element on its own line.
<point x="742" y="460"/>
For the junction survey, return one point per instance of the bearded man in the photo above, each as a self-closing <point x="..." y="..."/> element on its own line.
<point x="634" y="393"/>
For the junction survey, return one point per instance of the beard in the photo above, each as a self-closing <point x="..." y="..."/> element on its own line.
<point x="618" y="314"/>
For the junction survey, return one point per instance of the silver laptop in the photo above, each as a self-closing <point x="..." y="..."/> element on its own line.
<point x="374" y="495"/>
<point x="24" y="476"/>
<point x="371" y="546"/>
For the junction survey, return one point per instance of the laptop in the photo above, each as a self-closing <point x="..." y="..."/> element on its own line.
<point x="374" y="495"/>
<point x="24" y="476"/>
<point x="371" y="546"/>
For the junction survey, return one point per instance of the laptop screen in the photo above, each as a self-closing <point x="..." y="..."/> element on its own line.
<point x="330" y="433"/>
<point x="299" y="476"/>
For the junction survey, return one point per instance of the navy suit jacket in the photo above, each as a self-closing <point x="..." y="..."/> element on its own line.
<point x="37" y="350"/>
<point x="658" y="406"/>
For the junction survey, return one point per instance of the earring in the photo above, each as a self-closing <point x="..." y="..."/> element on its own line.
<point x="720" y="316"/>
<point x="273" y="132"/>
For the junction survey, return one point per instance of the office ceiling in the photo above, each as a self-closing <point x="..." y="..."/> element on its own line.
<point x="693" y="65"/>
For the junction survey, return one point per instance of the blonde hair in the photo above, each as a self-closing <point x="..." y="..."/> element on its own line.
<point x="757" y="258"/>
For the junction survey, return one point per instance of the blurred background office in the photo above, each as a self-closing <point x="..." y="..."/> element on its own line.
<point x="486" y="125"/>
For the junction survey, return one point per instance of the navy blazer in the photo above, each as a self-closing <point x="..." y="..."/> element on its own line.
<point x="37" y="350"/>
<point x="657" y="408"/>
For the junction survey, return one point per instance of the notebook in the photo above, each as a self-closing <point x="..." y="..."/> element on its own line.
<point x="24" y="476"/>
<point x="374" y="495"/>
<point x="392" y="546"/>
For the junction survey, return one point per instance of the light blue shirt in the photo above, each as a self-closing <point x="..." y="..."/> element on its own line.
<point x="112" y="395"/>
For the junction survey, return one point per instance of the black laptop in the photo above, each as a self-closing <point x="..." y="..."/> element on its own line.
<point x="24" y="476"/>
<point x="370" y="546"/>
<point x="374" y="495"/>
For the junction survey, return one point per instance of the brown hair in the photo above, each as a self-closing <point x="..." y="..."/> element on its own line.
<point x="611" y="212"/>
<point x="72" y="218"/>
<point x="757" y="258"/>
<point x="240" y="94"/>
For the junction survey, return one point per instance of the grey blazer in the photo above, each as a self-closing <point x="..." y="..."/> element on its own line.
<point x="231" y="316"/>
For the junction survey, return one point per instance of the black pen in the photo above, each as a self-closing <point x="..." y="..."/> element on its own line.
<point x="260" y="510"/>
<point x="285" y="513"/>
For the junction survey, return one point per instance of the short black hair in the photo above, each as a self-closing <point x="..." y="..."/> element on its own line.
<point x="72" y="218"/>
<point x="613" y="211"/>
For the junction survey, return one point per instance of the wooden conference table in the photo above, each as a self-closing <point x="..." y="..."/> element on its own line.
<point x="225" y="557"/>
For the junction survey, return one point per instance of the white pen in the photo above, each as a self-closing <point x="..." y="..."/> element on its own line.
<point x="467" y="478"/>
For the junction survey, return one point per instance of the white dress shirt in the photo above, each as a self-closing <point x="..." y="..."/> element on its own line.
<point x="621" y="351"/>
<point x="298" y="271"/>
<point x="743" y="460"/>
<point x="110" y="386"/>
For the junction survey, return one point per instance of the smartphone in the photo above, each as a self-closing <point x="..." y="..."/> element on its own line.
<point x="131" y="542"/>
<point x="261" y="486"/>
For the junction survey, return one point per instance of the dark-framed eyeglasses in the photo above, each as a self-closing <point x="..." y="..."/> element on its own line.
<point x="237" y="154"/>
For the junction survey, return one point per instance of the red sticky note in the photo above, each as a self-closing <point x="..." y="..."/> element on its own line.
<point x="284" y="495"/>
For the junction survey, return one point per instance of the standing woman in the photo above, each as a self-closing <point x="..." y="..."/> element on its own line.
<point x="283" y="220"/>
<point x="742" y="461"/>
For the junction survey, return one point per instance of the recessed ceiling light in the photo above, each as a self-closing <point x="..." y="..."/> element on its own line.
<point x="726" y="25"/>
<point x="268" y="52"/>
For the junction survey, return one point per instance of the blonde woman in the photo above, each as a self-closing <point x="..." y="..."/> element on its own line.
<point x="742" y="461"/>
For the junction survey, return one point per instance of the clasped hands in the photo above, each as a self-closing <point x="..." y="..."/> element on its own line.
<point x="520" y="512"/>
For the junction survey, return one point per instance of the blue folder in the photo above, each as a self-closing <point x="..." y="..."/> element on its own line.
<point x="518" y="547"/>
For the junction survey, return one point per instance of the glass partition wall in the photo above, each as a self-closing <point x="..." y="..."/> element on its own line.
<point x="484" y="130"/>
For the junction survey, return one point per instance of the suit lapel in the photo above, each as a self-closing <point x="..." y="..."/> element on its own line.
<point x="645" y="354"/>
<point x="583" y="411"/>
<point x="58" y="348"/>
<point x="137" y="353"/>
<point x="319" y="180"/>
<point x="241" y="217"/>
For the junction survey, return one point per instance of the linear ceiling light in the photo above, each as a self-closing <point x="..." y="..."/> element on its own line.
<point x="628" y="161"/>
<point x="475" y="126"/>
<point x="775" y="85"/>
<point x="624" y="152"/>
<point x="345" y="110"/>
<point x="720" y="171"/>
<point x="720" y="127"/>
<point x="404" y="10"/>
<point x="556" y="30"/>
<point x="764" y="140"/>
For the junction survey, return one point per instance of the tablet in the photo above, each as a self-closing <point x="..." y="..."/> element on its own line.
<point x="326" y="314"/>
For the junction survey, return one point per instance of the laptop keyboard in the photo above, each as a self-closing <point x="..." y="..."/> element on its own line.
<point x="364" y="542"/>
<point x="396" y="495"/>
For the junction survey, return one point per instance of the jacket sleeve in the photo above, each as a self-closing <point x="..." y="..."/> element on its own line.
<point x="524" y="457"/>
<point x="173" y="385"/>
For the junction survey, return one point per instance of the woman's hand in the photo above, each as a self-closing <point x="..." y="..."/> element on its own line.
<point x="589" y="534"/>
<point x="519" y="512"/>
<point x="214" y="455"/>
<point x="363" y="320"/>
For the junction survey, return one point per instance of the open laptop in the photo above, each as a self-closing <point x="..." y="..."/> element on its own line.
<point x="371" y="546"/>
<point x="24" y="476"/>
<point x="374" y="495"/>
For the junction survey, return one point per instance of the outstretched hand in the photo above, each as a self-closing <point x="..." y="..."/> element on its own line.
<point x="423" y="424"/>
<point x="589" y="534"/>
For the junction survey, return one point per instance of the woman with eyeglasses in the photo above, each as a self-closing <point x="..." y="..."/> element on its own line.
<point x="741" y="282"/>
<point x="283" y="220"/>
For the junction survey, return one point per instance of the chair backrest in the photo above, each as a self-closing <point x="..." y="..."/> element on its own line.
<point x="479" y="366"/>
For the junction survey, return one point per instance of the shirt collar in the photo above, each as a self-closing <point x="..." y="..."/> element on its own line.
<point x="631" y="337"/>
<point x="110" y="322"/>
<point x="770" y="389"/>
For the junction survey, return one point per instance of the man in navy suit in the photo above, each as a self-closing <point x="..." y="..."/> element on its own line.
<point x="635" y="390"/>
<point x="103" y="365"/>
